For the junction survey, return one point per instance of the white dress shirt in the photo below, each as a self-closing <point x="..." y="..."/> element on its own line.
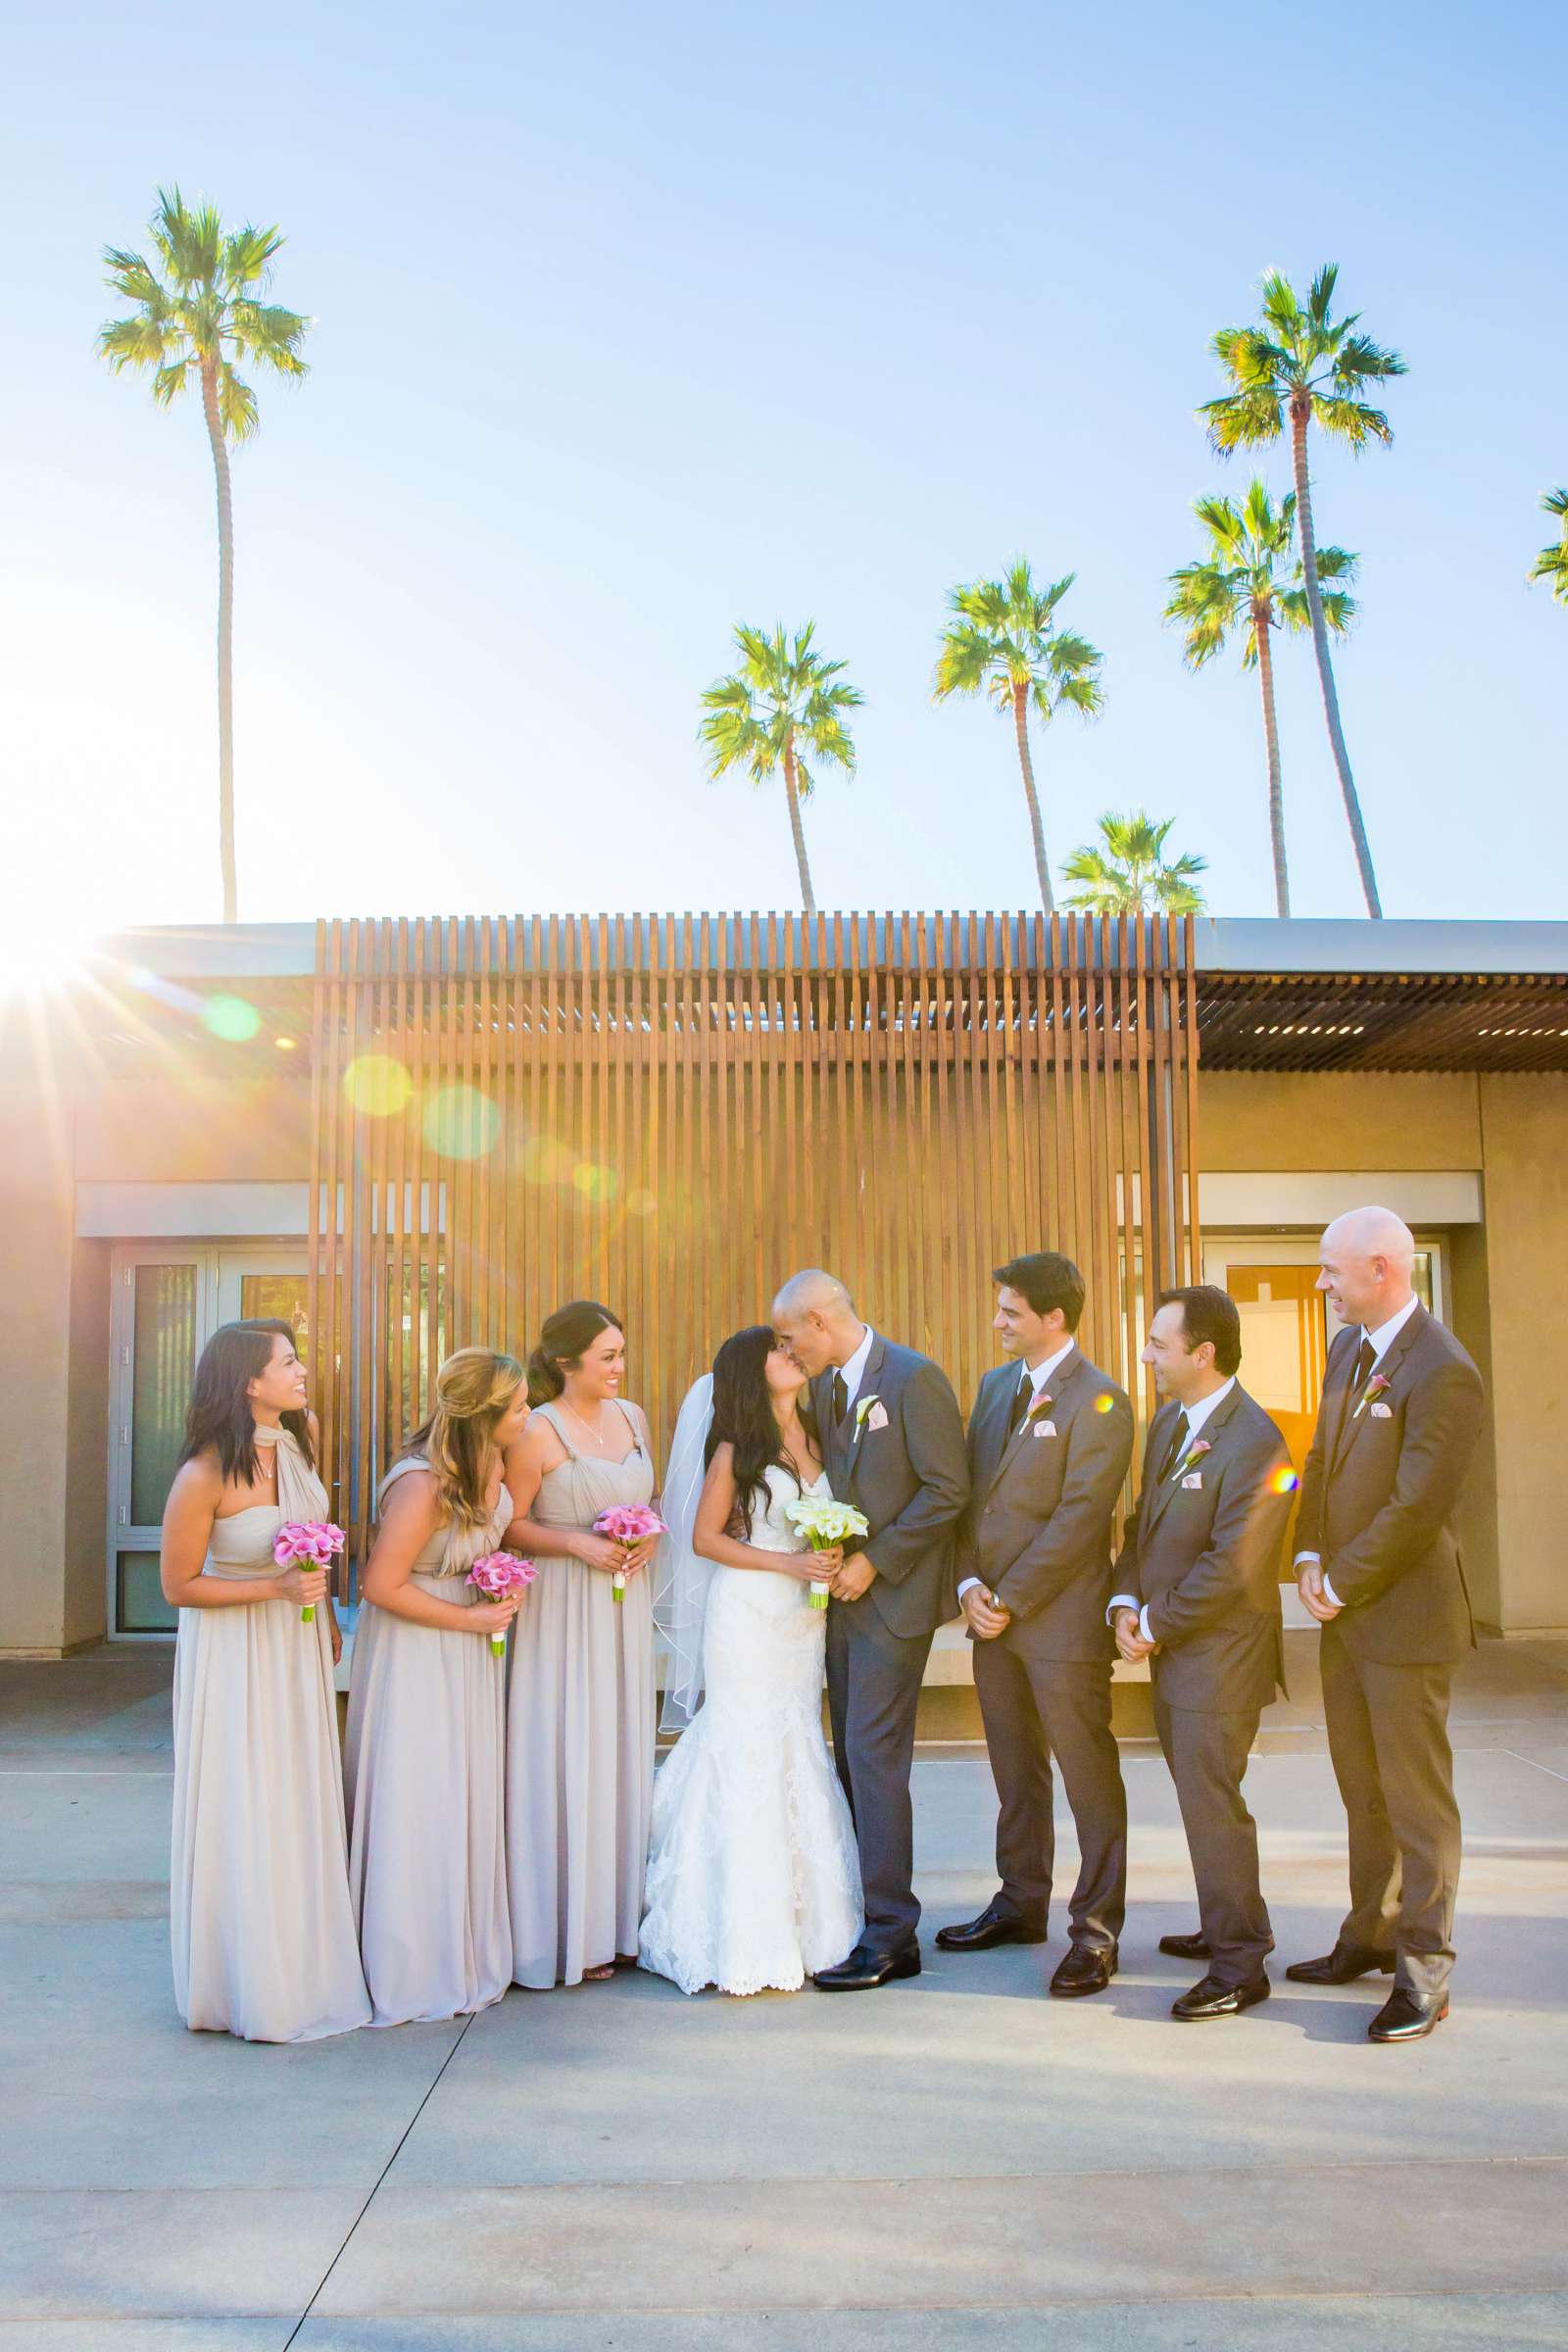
<point x="1382" y="1340"/>
<point x="1034" y="1377"/>
<point x="1196" y="1415"/>
<point x="854" y="1372"/>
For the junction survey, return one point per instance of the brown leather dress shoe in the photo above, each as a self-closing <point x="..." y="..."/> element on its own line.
<point x="1087" y="1967"/>
<point x="993" y="1925"/>
<point x="1342" y="1966"/>
<point x="1408" y="2015"/>
<point x="1208" y="1997"/>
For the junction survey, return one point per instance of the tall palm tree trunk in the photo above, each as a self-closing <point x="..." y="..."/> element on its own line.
<point x="1299" y="410"/>
<point x="1020" y="721"/>
<point x="798" y="830"/>
<point x="1271" y="738"/>
<point x="225" y="643"/>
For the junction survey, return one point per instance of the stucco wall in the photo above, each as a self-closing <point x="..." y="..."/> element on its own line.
<point x="1337" y="1119"/>
<point x="1525" y="1130"/>
<point x="182" y="1133"/>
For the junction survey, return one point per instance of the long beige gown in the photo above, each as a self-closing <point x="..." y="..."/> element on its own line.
<point x="260" y="1918"/>
<point x="579" y="1736"/>
<point x="427" y="1866"/>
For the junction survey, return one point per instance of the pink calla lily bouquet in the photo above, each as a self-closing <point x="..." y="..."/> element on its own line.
<point x="308" y="1544"/>
<point x="497" y="1575"/>
<point x="627" y="1524"/>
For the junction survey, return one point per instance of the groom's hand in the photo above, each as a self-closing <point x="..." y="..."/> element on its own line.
<point x="854" y="1579"/>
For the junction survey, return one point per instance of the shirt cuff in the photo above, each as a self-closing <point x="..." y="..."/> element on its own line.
<point x="1120" y="1601"/>
<point x="1313" y="1556"/>
<point x="969" y="1584"/>
<point x="1144" y="1633"/>
<point x="1329" y="1595"/>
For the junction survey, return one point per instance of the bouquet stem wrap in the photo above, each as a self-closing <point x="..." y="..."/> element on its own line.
<point x="824" y="1522"/>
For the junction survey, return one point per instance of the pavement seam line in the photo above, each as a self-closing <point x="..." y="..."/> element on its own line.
<point x="380" y="2178"/>
<point x="1536" y="1761"/>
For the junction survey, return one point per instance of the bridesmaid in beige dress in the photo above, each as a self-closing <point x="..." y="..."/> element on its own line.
<point x="261" y="1927"/>
<point x="580" y="1725"/>
<point x="427" y="1706"/>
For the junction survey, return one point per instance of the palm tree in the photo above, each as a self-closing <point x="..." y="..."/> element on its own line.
<point x="782" y="702"/>
<point x="1004" y="641"/>
<point x="1553" y="561"/>
<point x="1246" y="581"/>
<point x="1302" y="364"/>
<point x="1127" y="875"/>
<point x="192" y="326"/>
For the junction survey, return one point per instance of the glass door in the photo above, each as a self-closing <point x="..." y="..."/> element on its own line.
<point x="161" y="1313"/>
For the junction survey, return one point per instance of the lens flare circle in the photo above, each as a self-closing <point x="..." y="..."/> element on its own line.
<point x="461" y="1123"/>
<point x="230" y="1019"/>
<point x="377" y="1084"/>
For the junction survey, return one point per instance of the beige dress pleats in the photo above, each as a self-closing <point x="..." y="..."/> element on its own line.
<point x="579" y="1738"/>
<point x="262" y="1926"/>
<point x="425" y="1770"/>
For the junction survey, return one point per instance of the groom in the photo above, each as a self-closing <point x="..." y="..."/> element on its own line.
<point x="893" y="1443"/>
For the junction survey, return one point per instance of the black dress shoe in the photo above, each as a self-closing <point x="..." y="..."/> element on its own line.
<point x="864" y="1969"/>
<point x="1342" y="1966"/>
<point x="1408" y="2015"/>
<point x="1208" y="1997"/>
<point x="993" y="1925"/>
<point x="1185" y="1947"/>
<point x="1088" y="1968"/>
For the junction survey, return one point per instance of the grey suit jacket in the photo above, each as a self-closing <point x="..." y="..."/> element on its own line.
<point x="1206" y="1560"/>
<point x="1381" y="1490"/>
<point x="909" y="1478"/>
<point x="1037" y="1529"/>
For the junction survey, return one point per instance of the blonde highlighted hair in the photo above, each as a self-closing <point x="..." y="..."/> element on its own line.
<point x="473" y="1390"/>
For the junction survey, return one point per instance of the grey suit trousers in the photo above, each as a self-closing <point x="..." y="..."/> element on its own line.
<point x="872" y="1711"/>
<point x="1034" y="1708"/>
<point x="1207" y="1758"/>
<point x="1388" y="1730"/>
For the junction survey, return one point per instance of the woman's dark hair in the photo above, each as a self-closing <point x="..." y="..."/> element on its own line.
<point x="219" y="1417"/>
<point x="567" y="1334"/>
<point x="743" y="1416"/>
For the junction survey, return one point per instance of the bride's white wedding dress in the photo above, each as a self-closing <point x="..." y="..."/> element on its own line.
<point x="752" y="1879"/>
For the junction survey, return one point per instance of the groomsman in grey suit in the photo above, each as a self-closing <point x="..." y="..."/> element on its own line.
<point x="893" y="1443"/>
<point x="1198" y="1596"/>
<point x="1378" y="1568"/>
<point x="1049" y="1440"/>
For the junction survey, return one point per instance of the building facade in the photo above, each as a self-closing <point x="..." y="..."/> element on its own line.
<point x="402" y="1137"/>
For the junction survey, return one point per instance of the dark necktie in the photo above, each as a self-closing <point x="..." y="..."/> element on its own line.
<point x="1024" y="1395"/>
<point x="841" y="1400"/>
<point x="1364" y="1361"/>
<point x="1175" y="1450"/>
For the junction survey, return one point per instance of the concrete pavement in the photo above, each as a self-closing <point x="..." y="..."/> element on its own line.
<point x="952" y="2162"/>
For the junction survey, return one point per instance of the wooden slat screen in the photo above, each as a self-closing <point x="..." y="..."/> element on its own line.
<point x="671" y="1113"/>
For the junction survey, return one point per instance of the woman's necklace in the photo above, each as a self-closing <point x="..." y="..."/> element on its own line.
<point x="597" y="1435"/>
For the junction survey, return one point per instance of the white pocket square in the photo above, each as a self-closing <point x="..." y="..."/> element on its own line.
<point x="1044" y="1429"/>
<point x="1382" y="1412"/>
<point x="877" y="1417"/>
<point x="1193" y="1480"/>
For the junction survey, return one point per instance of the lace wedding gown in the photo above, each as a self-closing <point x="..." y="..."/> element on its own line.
<point x="752" y="1879"/>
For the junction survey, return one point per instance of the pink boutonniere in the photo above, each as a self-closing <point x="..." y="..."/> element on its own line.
<point x="1374" y="1388"/>
<point x="1195" y="1454"/>
<point x="1041" y="1404"/>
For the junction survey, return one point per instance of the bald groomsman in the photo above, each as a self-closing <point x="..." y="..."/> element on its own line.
<point x="1378" y="1568"/>
<point x="1200" y="1598"/>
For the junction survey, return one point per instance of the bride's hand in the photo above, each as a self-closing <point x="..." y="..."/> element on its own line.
<point x="821" y="1567"/>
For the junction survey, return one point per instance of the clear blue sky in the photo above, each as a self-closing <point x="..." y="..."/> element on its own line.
<point x="636" y="321"/>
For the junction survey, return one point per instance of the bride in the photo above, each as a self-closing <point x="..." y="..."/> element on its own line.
<point x="752" y="1879"/>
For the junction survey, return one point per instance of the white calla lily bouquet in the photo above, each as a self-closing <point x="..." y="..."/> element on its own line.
<point x="824" y="1521"/>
